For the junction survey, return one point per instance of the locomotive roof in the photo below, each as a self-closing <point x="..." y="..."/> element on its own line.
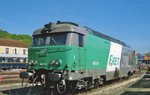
<point x="73" y="27"/>
<point x="60" y="27"/>
<point x="91" y="31"/>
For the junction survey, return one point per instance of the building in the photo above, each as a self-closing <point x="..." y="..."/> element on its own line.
<point x="147" y="59"/>
<point x="144" y="59"/>
<point x="13" y="51"/>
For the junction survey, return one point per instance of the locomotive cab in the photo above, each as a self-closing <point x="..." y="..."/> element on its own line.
<point x="56" y="45"/>
<point x="56" y="50"/>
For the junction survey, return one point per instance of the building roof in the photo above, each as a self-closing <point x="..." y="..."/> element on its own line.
<point x="13" y="43"/>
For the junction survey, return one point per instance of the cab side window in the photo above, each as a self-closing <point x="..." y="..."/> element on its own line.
<point x="75" y="39"/>
<point x="80" y="40"/>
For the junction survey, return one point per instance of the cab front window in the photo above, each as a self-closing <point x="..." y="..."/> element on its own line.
<point x="50" y="39"/>
<point x="64" y="38"/>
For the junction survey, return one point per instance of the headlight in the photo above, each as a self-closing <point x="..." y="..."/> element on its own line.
<point x="35" y="62"/>
<point x="58" y="62"/>
<point x="31" y="62"/>
<point x="51" y="62"/>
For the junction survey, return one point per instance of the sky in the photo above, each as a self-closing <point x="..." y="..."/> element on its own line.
<point x="126" y="20"/>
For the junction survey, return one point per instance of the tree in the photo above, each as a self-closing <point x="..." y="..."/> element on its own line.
<point x="21" y="37"/>
<point x="148" y="54"/>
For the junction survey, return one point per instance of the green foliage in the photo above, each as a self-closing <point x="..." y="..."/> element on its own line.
<point x="21" y="37"/>
<point x="148" y="54"/>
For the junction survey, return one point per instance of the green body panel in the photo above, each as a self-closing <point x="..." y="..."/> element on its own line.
<point x="52" y="53"/>
<point x="93" y="55"/>
<point x="97" y="52"/>
<point x="71" y="57"/>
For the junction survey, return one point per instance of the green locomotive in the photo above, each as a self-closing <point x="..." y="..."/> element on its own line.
<point x="67" y="56"/>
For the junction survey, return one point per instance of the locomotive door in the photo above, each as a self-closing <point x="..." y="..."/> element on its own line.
<point x="82" y="59"/>
<point x="81" y="52"/>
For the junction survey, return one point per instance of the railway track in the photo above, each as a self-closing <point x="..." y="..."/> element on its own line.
<point x="115" y="87"/>
<point x="9" y="77"/>
<point x="141" y="87"/>
<point x="111" y="87"/>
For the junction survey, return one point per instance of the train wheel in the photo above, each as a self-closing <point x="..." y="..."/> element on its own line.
<point x="130" y="74"/>
<point x="61" y="86"/>
<point x="42" y="81"/>
<point x="102" y="80"/>
<point x="96" y="83"/>
<point x="89" y="85"/>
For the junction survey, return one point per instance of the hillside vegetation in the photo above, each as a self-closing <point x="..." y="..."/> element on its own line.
<point x="21" y="37"/>
<point x="148" y="54"/>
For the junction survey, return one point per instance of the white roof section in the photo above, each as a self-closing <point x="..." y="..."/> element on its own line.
<point x="13" y="55"/>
